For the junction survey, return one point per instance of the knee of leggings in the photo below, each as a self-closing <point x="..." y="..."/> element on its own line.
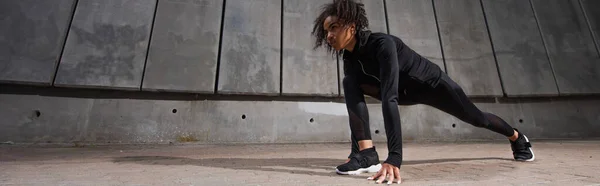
<point x="346" y="82"/>
<point x="480" y="121"/>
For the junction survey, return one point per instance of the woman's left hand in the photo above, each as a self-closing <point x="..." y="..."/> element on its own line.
<point x="387" y="171"/>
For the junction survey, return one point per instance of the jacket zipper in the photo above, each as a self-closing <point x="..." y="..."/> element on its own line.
<point x="363" y="69"/>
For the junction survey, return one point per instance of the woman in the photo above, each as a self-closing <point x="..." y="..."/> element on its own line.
<point x="383" y="67"/>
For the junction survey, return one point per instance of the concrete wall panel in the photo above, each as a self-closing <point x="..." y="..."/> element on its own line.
<point x="520" y="52"/>
<point x="376" y="14"/>
<point x="251" y="48"/>
<point x="107" y="44"/>
<point x="32" y="34"/>
<point x="414" y="22"/>
<point x="467" y="48"/>
<point x="43" y="119"/>
<point x="142" y="121"/>
<point x="574" y="119"/>
<point x="305" y="71"/>
<point x="570" y="45"/>
<point x="184" y="46"/>
<point x="32" y="118"/>
<point x="158" y="121"/>
<point x="591" y="8"/>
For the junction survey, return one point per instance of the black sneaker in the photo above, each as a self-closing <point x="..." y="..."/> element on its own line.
<point x="366" y="160"/>
<point x="522" y="148"/>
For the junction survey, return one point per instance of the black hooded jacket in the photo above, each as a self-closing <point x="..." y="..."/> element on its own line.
<point x="385" y="61"/>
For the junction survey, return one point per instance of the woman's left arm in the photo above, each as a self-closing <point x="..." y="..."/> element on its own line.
<point x="387" y="56"/>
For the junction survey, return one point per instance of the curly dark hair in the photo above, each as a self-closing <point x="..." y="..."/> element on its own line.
<point x="347" y="12"/>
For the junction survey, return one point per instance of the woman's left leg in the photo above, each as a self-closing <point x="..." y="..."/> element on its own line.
<point x="449" y="97"/>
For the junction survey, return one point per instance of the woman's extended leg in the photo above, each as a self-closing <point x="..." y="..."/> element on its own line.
<point x="449" y="97"/>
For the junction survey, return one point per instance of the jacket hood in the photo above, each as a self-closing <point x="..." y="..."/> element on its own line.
<point x="361" y="41"/>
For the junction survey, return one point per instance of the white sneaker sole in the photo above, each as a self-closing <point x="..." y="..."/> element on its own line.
<point x="371" y="169"/>
<point x="532" y="154"/>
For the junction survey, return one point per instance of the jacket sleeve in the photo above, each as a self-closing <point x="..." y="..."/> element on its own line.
<point x="347" y="67"/>
<point x="387" y="56"/>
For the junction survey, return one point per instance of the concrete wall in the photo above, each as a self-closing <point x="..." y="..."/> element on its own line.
<point x="223" y="55"/>
<point x="263" y="47"/>
<point x="117" y="118"/>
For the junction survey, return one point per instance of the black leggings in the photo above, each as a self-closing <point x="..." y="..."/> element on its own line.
<point x="447" y="96"/>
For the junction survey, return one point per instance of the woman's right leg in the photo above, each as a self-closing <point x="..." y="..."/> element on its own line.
<point x="357" y="112"/>
<point x="373" y="92"/>
<point x="364" y="157"/>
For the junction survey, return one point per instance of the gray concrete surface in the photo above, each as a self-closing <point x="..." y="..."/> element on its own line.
<point x="43" y="119"/>
<point x="582" y="120"/>
<point x="467" y="48"/>
<point x="557" y="163"/>
<point x="46" y="120"/>
<point x="305" y="71"/>
<point x="32" y="34"/>
<point x="414" y="22"/>
<point x="522" y="60"/>
<point x="184" y="47"/>
<point x="590" y="8"/>
<point x="570" y="45"/>
<point x="376" y="15"/>
<point x="251" y="48"/>
<point x="107" y="44"/>
<point x="140" y="121"/>
<point x="109" y="52"/>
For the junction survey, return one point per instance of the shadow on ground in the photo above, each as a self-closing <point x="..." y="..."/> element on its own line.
<point x="308" y="166"/>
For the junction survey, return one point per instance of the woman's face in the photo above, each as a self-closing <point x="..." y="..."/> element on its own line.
<point x="338" y="36"/>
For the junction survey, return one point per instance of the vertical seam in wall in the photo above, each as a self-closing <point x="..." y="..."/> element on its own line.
<point x="219" y="52"/>
<point x="545" y="47"/>
<point x="439" y="36"/>
<point x="493" y="49"/>
<point x="281" y="51"/>
<point x="64" y="44"/>
<point x="587" y="20"/>
<point x="387" y="25"/>
<point x="149" y="44"/>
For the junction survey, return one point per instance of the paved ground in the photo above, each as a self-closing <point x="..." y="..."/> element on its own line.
<point x="557" y="163"/>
